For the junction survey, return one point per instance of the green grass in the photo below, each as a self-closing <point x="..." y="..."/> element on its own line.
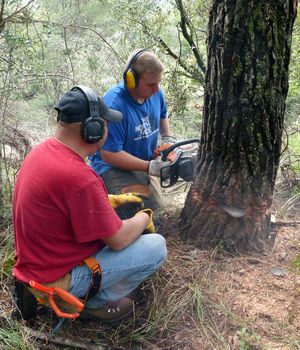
<point x="12" y="339"/>
<point x="295" y="345"/>
<point x="6" y="253"/>
<point x="7" y="258"/>
<point x="249" y="339"/>
<point x="296" y="264"/>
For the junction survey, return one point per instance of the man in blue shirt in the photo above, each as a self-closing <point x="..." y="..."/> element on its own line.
<point x="126" y="162"/>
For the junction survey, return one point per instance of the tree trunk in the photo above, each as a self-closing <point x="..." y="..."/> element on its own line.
<point x="249" y="46"/>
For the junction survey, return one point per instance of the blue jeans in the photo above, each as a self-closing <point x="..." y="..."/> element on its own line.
<point x="122" y="271"/>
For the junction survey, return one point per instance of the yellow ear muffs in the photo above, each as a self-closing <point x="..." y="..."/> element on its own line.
<point x="130" y="79"/>
<point x="130" y="76"/>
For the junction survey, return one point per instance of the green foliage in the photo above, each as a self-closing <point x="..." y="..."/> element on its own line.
<point x="294" y="142"/>
<point x="293" y="98"/>
<point x="292" y="107"/>
<point x="188" y="125"/>
<point x="248" y="339"/>
<point x="290" y="161"/>
<point x="294" y="70"/>
<point x="296" y="263"/>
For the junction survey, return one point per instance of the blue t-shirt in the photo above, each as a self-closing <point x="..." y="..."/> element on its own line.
<point x="138" y="131"/>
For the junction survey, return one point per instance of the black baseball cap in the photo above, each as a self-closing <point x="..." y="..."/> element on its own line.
<point x="74" y="106"/>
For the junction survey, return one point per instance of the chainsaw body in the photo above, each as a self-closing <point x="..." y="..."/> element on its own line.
<point x="182" y="157"/>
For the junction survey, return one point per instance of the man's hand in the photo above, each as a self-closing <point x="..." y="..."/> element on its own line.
<point x="116" y="200"/>
<point x="150" y="228"/>
<point x="168" y="139"/>
<point x="155" y="165"/>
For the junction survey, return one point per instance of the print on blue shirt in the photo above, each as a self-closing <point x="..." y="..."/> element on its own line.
<point x="144" y="130"/>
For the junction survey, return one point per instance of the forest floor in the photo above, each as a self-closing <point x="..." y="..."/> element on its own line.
<point x="199" y="300"/>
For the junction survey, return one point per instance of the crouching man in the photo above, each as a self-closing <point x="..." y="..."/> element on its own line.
<point x="62" y="215"/>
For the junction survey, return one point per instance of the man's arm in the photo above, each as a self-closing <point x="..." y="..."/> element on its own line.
<point x="164" y="128"/>
<point x="130" y="230"/>
<point x="125" y="161"/>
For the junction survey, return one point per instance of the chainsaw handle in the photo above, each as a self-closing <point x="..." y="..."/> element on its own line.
<point x="69" y="298"/>
<point x="175" y="145"/>
<point x="58" y="311"/>
<point x="62" y="294"/>
<point x="40" y="287"/>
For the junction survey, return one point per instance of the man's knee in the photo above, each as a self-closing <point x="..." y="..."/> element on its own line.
<point x="155" y="247"/>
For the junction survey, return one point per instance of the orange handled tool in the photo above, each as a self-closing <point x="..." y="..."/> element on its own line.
<point x="62" y="294"/>
<point x="172" y="156"/>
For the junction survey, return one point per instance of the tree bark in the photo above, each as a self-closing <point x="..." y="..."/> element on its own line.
<point x="249" y="46"/>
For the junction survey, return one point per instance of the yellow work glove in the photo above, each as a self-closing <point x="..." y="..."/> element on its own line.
<point x="150" y="228"/>
<point x="117" y="200"/>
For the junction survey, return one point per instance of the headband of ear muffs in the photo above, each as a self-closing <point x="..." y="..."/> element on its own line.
<point x="130" y="76"/>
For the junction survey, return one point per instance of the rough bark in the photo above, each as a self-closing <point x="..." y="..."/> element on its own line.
<point x="249" y="44"/>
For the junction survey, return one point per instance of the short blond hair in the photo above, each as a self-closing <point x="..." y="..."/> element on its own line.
<point x="146" y="62"/>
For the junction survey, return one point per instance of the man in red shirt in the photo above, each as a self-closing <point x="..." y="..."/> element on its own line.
<point x="62" y="215"/>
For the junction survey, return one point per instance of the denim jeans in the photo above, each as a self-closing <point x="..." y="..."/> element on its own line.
<point x="122" y="271"/>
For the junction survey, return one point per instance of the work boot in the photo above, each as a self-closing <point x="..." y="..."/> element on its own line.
<point x="113" y="311"/>
<point x="25" y="301"/>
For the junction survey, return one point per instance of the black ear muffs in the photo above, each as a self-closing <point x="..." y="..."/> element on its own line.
<point x="130" y="76"/>
<point x="92" y="129"/>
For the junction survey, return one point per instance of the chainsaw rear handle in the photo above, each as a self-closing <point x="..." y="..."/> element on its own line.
<point x="175" y="145"/>
<point x="58" y="311"/>
<point x="62" y="294"/>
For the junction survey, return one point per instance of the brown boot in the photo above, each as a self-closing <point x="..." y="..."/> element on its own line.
<point x="114" y="311"/>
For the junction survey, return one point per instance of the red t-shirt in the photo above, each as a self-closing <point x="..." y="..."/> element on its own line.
<point x="60" y="213"/>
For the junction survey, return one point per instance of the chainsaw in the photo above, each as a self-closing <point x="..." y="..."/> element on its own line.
<point x="182" y="157"/>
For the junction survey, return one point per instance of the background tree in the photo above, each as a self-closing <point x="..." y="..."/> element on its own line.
<point x="249" y="48"/>
<point x="10" y="137"/>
